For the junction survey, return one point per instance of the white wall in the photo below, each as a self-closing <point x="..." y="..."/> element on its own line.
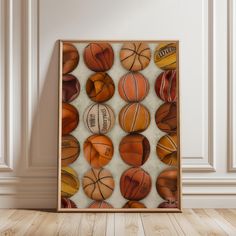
<point x="28" y="97"/>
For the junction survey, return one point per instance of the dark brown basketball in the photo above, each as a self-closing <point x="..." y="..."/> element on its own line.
<point x="70" y="57"/>
<point x="134" y="149"/>
<point x="99" y="57"/>
<point x="100" y="87"/>
<point x="134" y="204"/>
<point x="168" y="205"/>
<point x="70" y="118"/>
<point x="135" y="184"/>
<point x="100" y="204"/>
<point x="67" y="203"/>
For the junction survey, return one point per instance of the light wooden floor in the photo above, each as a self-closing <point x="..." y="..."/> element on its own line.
<point x="191" y="222"/>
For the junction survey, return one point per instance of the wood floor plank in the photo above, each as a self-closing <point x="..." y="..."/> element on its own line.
<point x="4" y="215"/>
<point x="110" y="231"/>
<point x="100" y="224"/>
<point x="133" y="225"/>
<point x="119" y="224"/>
<point x="87" y="224"/>
<point x="175" y="224"/>
<point x="229" y="216"/>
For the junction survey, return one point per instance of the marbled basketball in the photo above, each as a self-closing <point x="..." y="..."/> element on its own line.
<point x="134" y="117"/>
<point x="100" y="204"/>
<point x="99" y="57"/>
<point x="135" y="184"/>
<point x="70" y="57"/>
<point x="135" y="56"/>
<point x="133" y="87"/>
<point x="165" y="86"/>
<point x="67" y="203"/>
<point x="134" y="204"/>
<point x="99" y="118"/>
<point x="168" y="204"/>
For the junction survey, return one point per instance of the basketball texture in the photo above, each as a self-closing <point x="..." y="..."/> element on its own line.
<point x="134" y="117"/>
<point x="100" y="204"/>
<point x="135" y="56"/>
<point x="100" y="87"/>
<point x="133" y="87"/>
<point x="166" y="117"/>
<point x="165" y="56"/>
<point x="168" y="204"/>
<point x="167" y="185"/>
<point x="99" y="118"/>
<point x="98" y="184"/>
<point x="70" y="88"/>
<point x="165" y="86"/>
<point x="70" y="58"/>
<point x="99" y="57"/>
<point x="69" y="182"/>
<point x="98" y="150"/>
<point x="135" y="184"/>
<point x="70" y="150"/>
<point x="134" y="149"/>
<point x="134" y="204"/>
<point x="167" y="149"/>
<point x="67" y="203"/>
<point x="70" y="118"/>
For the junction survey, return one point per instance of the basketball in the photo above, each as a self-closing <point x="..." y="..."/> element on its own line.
<point x="100" y="87"/>
<point x="168" y="205"/>
<point x="166" y="117"/>
<point x="70" y="150"/>
<point x="167" y="149"/>
<point x="134" y="117"/>
<point x="99" y="118"/>
<point x="134" y="204"/>
<point x="98" y="57"/>
<point x="67" y="203"/>
<point x="70" y="118"/>
<point x="69" y="182"/>
<point x="167" y="185"/>
<point x="98" y="184"/>
<point x="134" y="149"/>
<point x="165" y="86"/>
<point x="133" y="87"/>
<point x="135" y="56"/>
<point x="98" y="150"/>
<point x="70" y="57"/>
<point x="165" y="56"/>
<point x="135" y="184"/>
<point x="100" y="204"/>
<point x="70" y="88"/>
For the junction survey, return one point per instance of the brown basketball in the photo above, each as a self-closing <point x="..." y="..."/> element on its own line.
<point x="134" y="117"/>
<point x="100" y="87"/>
<point x="134" y="204"/>
<point x="70" y="88"/>
<point x="99" y="118"/>
<point x="166" y="117"/>
<point x="99" y="57"/>
<point x="167" y="185"/>
<point x="70" y="118"/>
<point x="135" y="184"/>
<point x="168" y="205"/>
<point x="70" y="150"/>
<point x="67" y="203"/>
<point x="167" y="149"/>
<point x="98" y="150"/>
<point x="135" y="56"/>
<point x="134" y="149"/>
<point x="100" y="204"/>
<point x="70" y="57"/>
<point x="133" y="87"/>
<point x="98" y="184"/>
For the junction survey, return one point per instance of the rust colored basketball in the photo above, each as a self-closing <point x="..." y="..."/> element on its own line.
<point x="135" y="184"/>
<point x="70" y="118"/>
<point x="166" y="184"/>
<point x="100" y="87"/>
<point x="134" y="117"/>
<point x="100" y="204"/>
<point x="166" y="117"/>
<point x="134" y="204"/>
<point x="70" y="57"/>
<point x="98" y="150"/>
<point x="133" y="87"/>
<point x="135" y="56"/>
<point x="67" y="203"/>
<point x="70" y="150"/>
<point x="98" y="184"/>
<point x="168" y="204"/>
<point x="167" y="149"/>
<point x="134" y="149"/>
<point x="99" y="57"/>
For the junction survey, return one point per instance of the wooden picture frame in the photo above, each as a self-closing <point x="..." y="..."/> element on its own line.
<point x="77" y="44"/>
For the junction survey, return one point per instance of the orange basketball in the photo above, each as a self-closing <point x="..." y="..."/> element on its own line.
<point x="134" y="117"/>
<point x="100" y="204"/>
<point x="133" y="87"/>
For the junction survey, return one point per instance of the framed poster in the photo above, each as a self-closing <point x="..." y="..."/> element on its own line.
<point x="119" y="133"/>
